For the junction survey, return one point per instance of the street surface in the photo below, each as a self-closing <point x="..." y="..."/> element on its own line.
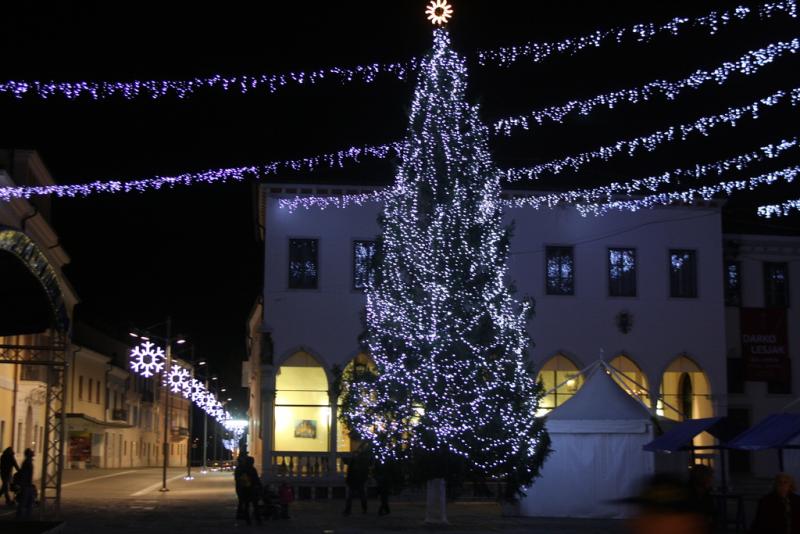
<point x="121" y="501"/>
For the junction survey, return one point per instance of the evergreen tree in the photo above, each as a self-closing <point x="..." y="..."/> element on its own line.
<point x="452" y="387"/>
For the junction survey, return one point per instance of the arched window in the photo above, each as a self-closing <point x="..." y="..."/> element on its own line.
<point x="685" y="391"/>
<point x="302" y="410"/>
<point x="561" y="378"/>
<point x="360" y="364"/>
<point x="631" y="378"/>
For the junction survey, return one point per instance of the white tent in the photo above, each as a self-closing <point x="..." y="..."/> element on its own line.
<point x="597" y="438"/>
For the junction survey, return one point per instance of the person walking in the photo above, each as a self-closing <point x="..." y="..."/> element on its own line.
<point x="27" y="490"/>
<point x="778" y="512"/>
<point x="7" y="463"/>
<point x="356" y="480"/>
<point x="248" y="488"/>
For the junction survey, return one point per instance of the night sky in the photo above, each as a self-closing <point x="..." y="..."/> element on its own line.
<point x="193" y="253"/>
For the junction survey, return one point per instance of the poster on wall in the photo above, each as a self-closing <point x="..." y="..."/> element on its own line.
<point x="80" y="447"/>
<point x="306" y="428"/>
<point x="765" y="345"/>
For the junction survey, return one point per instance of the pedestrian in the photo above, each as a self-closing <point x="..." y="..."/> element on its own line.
<point x="27" y="492"/>
<point x="285" y="498"/>
<point x="248" y="488"/>
<point x="7" y="463"/>
<point x="384" y="481"/>
<point x="778" y="512"/>
<point x="356" y="480"/>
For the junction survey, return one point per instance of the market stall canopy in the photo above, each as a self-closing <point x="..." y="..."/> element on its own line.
<point x="680" y="436"/>
<point x="774" y="432"/>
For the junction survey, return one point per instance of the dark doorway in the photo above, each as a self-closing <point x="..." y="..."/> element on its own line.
<point x="739" y="419"/>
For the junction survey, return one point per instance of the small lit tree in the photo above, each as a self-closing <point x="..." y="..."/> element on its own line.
<point x="453" y="388"/>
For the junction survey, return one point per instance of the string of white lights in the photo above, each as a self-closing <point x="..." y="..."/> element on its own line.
<point x="687" y="196"/>
<point x="504" y="56"/>
<point x="650" y="142"/>
<point x="654" y="183"/>
<point x="779" y="210"/>
<point x="536" y="52"/>
<point x="331" y="160"/>
<point x="748" y="65"/>
<point x="154" y="89"/>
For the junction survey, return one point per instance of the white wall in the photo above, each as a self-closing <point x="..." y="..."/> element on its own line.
<point x="326" y="321"/>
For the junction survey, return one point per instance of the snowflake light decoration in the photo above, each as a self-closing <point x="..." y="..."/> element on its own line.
<point x="147" y="359"/>
<point x="177" y="379"/>
<point x="439" y="12"/>
<point x="195" y="391"/>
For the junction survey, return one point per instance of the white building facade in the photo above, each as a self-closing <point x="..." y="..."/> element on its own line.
<point x="644" y="291"/>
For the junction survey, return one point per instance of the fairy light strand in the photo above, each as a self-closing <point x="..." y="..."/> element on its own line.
<point x="712" y="23"/>
<point x="747" y="65"/>
<point x="271" y="83"/>
<point x="783" y="209"/>
<point x="688" y="196"/>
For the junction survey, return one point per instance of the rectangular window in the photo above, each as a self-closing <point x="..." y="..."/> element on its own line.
<point x="682" y="273"/>
<point x="560" y="270"/>
<point x="97" y="397"/>
<point x="80" y="387"/>
<point x="621" y="272"/>
<point x="91" y="382"/>
<point x="303" y="264"/>
<point x="363" y="252"/>
<point x="108" y="393"/>
<point x="733" y="283"/>
<point x="776" y="285"/>
<point x="735" y="375"/>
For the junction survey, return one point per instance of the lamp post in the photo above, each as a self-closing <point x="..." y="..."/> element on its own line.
<point x="189" y="439"/>
<point x="204" y="470"/>
<point x="167" y="354"/>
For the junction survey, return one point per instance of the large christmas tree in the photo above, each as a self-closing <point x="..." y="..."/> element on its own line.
<point x="452" y="385"/>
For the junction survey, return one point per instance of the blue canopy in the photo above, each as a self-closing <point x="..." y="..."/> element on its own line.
<point x="679" y="437"/>
<point x="774" y="432"/>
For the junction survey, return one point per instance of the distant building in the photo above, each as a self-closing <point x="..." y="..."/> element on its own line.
<point x="109" y="417"/>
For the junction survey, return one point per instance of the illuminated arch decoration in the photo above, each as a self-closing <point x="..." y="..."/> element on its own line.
<point x="23" y="248"/>
<point x="361" y="363"/>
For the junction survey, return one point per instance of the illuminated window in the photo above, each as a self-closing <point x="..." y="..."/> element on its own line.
<point x="560" y="271"/>
<point x="621" y="272"/>
<point x="363" y="252"/>
<point x="302" y="410"/>
<point x="561" y="378"/>
<point x="303" y="264"/>
<point x="630" y="377"/>
<point x="682" y="274"/>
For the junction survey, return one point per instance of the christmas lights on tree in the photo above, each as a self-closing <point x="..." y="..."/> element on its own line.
<point x="453" y="385"/>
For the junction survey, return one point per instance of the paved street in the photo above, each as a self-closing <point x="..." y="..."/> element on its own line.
<point x="122" y="501"/>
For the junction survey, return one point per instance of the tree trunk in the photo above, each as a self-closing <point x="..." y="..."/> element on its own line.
<point x="436" y="510"/>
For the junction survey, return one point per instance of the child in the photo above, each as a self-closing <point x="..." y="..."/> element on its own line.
<point x="285" y="497"/>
